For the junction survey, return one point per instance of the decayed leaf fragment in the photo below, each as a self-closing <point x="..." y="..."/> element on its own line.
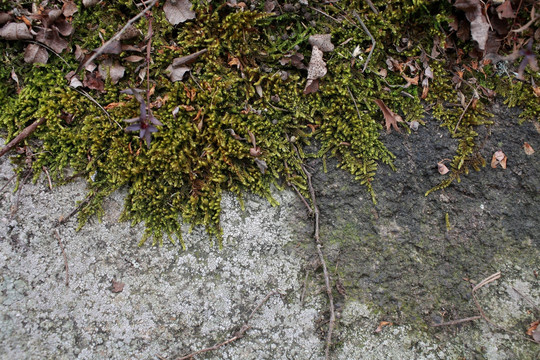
<point x="381" y="325"/>
<point x="498" y="158"/>
<point x="178" y="11"/>
<point x="443" y="170"/>
<point x="113" y="70"/>
<point x="528" y="148"/>
<point x="35" y="54"/>
<point x="316" y="70"/>
<point x="117" y="286"/>
<point x="479" y="23"/>
<point x="391" y="118"/>
<point x="15" y="31"/>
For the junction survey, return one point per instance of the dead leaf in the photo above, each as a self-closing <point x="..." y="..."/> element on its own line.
<point x="93" y="81"/>
<point x="51" y="38"/>
<point x="114" y="48"/>
<point x="234" y="61"/>
<point x="88" y="3"/>
<point x="35" y="54"/>
<point x="498" y="158"/>
<point x="130" y="33"/>
<point x="113" y="70"/>
<point x="322" y="41"/>
<point x="316" y="70"/>
<point x="178" y="11"/>
<point x="69" y="8"/>
<point x="177" y="74"/>
<point x="528" y="148"/>
<point x="5" y="17"/>
<point x="188" y="59"/>
<point x="381" y="325"/>
<point x="532" y="328"/>
<point x="391" y="118"/>
<point x="294" y="59"/>
<point x="134" y="58"/>
<point x="117" y="286"/>
<point x="15" y="31"/>
<point x="505" y="10"/>
<point x="114" y="105"/>
<point x="443" y="170"/>
<point x="478" y="21"/>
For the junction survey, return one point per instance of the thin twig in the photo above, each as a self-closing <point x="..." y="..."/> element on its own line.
<point x="325" y="14"/>
<point x="459" y="321"/>
<point x="354" y="101"/>
<point x="10" y="180"/>
<point x="373" y="8"/>
<point x="64" y="254"/>
<point x="48" y="177"/>
<point x="100" y="50"/>
<point x="318" y="243"/>
<point x="27" y="131"/>
<point x="527" y="299"/>
<point x="76" y="210"/>
<point x="237" y="335"/>
<point x="302" y="198"/>
<point x="373" y="42"/>
<point x="463" y="113"/>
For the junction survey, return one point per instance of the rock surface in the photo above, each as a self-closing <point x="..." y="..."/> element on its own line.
<point x="397" y="261"/>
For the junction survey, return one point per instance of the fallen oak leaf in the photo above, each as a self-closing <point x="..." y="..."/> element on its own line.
<point x="390" y="117"/>
<point x="15" y="31"/>
<point x="35" y="54"/>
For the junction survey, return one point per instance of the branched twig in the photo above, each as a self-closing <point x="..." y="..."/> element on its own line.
<point x="64" y="254"/>
<point x="318" y="244"/>
<point x="373" y="42"/>
<point x="24" y="134"/>
<point x="100" y="50"/>
<point x="237" y="335"/>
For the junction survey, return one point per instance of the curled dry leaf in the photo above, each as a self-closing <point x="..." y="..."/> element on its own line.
<point x="498" y="158"/>
<point x="528" y="148"/>
<point x="130" y="33"/>
<point x="15" y="31"/>
<point x="178" y="11"/>
<point x="316" y="70"/>
<point x="443" y="170"/>
<point x="177" y="73"/>
<point x="35" y="54"/>
<point x="391" y="118"/>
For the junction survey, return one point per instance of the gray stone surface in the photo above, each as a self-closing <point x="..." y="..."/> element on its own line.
<point x="396" y="261"/>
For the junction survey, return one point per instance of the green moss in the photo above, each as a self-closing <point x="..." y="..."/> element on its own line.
<point x="193" y="157"/>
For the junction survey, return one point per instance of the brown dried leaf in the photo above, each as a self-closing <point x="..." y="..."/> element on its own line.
<point x="498" y="158"/>
<point x="52" y="39"/>
<point x="188" y="59"/>
<point x="383" y="324"/>
<point x="5" y="17"/>
<point x="93" y="81"/>
<point x="114" y="48"/>
<point x="35" y="54"/>
<point x="178" y="11"/>
<point x="15" y="31"/>
<point x="528" y="148"/>
<point x="390" y="117"/>
<point x="479" y="23"/>
<point x="443" y="170"/>
<point x="134" y="58"/>
<point x="505" y="10"/>
<point x="177" y="73"/>
<point x="322" y="41"/>
<point x="117" y="286"/>
<point x="69" y="8"/>
<point x="113" y="70"/>
<point x="130" y="33"/>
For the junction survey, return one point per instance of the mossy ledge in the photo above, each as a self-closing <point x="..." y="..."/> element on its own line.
<point x="193" y="158"/>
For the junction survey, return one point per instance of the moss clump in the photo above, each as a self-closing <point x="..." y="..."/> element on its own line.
<point x="237" y="90"/>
